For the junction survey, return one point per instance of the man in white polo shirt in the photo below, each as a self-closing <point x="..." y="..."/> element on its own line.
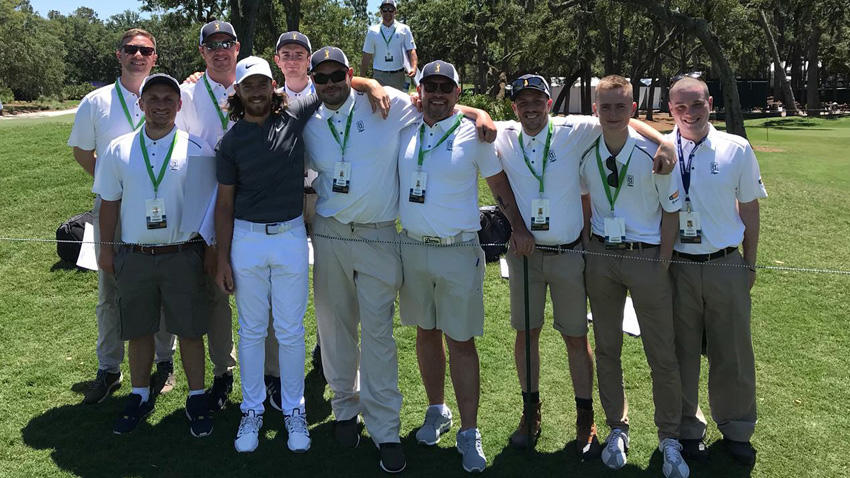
<point x="632" y="227"/>
<point x="722" y="186"/>
<point x="160" y="266"/>
<point x="103" y="115"/>
<point x="202" y="115"/>
<point x="389" y="50"/>
<point x="439" y="161"/>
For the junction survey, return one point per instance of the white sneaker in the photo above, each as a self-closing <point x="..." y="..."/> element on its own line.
<point x="469" y="446"/>
<point x="296" y="427"/>
<point x="438" y="420"/>
<point x="674" y="465"/>
<point x="616" y="446"/>
<point x="248" y="435"/>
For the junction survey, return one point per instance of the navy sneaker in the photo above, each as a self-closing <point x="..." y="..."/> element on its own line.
<point x="198" y="413"/>
<point x="133" y="413"/>
<point x="217" y="394"/>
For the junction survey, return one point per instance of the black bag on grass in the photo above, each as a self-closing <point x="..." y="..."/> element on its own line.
<point x="72" y="230"/>
<point x="495" y="229"/>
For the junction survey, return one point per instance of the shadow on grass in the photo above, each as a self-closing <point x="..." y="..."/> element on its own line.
<point x="792" y="124"/>
<point x="317" y="406"/>
<point x="61" y="265"/>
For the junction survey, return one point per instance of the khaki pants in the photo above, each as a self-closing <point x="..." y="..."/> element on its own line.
<point x="608" y="278"/>
<point x="220" y="330"/>
<point x="356" y="283"/>
<point x="715" y="300"/>
<point x="397" y="79"/>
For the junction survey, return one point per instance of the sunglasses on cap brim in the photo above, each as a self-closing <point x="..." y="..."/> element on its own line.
<point x="335" y="77"/>
<point x="533" y="82"/>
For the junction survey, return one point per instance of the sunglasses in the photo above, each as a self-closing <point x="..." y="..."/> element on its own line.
<point x="335" y="77"/>
<point x="522" y="83"/>
<point x="219" y="45"/>
<point x="433" y="86"/>
<point x="697" y="75"/>
<point x="613" y="178"/>
<point x="387" y="10"/>
<point x="144" y="50"/>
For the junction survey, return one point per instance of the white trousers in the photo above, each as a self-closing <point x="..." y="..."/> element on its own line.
<point x="110" y="347"/>
<point x="270" y="272"/>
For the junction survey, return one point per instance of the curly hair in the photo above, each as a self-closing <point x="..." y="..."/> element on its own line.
<point x="236" y="110"/>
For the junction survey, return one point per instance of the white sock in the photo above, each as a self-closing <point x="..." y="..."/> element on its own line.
<point x="192" y="393"/>
<point x="145" y="392"/>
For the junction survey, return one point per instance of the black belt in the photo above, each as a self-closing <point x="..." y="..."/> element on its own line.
<point x="628" y="246"/>
<point x="707" y="257"/>
<point x="558" y="248"/>
<point x="394" y="71"/>
<point x="160" y="250"/>
<point x="309" y="190"/>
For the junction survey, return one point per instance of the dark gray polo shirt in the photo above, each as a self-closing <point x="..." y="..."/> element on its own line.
<point x="266" y="164"/>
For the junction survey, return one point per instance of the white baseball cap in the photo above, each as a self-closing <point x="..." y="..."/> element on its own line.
<point x="250" y="66"/>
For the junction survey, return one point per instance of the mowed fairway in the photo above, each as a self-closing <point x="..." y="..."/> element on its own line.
<point x="800" y="331"/>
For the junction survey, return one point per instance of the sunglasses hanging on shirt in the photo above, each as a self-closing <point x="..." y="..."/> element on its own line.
<point x="132" y="49"/>
<point x="613" y="178"/>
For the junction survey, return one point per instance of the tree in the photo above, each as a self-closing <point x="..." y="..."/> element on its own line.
<point x="778" y="67"/>
<point x="32" y="57"/>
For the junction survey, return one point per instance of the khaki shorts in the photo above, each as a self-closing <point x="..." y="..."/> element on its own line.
<point x="173" y="283"/>
<point x="564" y="275"/>
<point x="441" y="288"/>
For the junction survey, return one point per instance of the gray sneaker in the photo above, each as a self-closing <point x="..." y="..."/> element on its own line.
<point x="103" y="384"/>
<point x="469" y="446"/>
<point x="436" y="423"/>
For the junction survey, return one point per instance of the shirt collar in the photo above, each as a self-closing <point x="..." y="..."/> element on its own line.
<point x="539" y="137"/>
<point x="126" y="92"/>
<point x="216" y="85"/>
<point x="626" y="151"/>
<point x="442" y="125"/>
<point x="707" y="143"/>
<point x="344" y="110"/>
<point x="389" y="27"/>
<point x="165" y="139"/>
<point x="307" y="89"/>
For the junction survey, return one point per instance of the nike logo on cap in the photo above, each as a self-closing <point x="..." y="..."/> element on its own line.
<point x="247" y="67"/>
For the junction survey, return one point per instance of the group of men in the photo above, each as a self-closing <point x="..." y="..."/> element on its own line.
<point x="377" y="159"/>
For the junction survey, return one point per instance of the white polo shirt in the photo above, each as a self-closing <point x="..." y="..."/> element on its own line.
<point x="571" y="136"/>
<point x="400" y="42"/>
<point x="724" y="172"/>
<point x="199" y="116"/>
<point x="642" y="193"/>
<point x="101" y="118"/>
<point x="123" y="175"/>
<point x="308" y="90"/>
<point x="372" y="150"/>
<point x="451" y="193"/>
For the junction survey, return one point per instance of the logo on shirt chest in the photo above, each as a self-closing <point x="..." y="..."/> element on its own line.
<point x="630" y="180"/>
<point x="552" y="157"/>
<point x="449" y="142"/>
<point x="715" y="168"/>
<point x="361" y="127"/>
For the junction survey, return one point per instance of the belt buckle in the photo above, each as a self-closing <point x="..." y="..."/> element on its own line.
<point x="432" y="240"/>
<point x="272" y="229"/>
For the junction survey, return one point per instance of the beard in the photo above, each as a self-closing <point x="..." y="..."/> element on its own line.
<point x="258" y="109"/>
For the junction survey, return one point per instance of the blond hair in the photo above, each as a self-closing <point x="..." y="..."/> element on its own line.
<point x="613" y="82"/>
<point x="134" y="32"/>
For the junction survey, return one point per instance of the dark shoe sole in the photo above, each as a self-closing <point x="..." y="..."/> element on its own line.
<point x="381" y="464"/>
<point x="197" y="435"/>
<point x="109" y="390"/>
<point x="141" y="419"/>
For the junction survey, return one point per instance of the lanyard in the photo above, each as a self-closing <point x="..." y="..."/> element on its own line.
<point x="422" y="133"/>
<point x="386" y="40"/>
<point x="345" y="135"/>
<point x="124" y="107"/>
<point x="612" y="200"/>
<point x="221" y="116"/>
<point x="545" y="156"/>
<point x="158" y="179"/>
<point x="685" y="169"/>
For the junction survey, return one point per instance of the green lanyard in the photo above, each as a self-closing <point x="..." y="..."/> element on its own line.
<point x="422" y="133"/>
<point x="344" y="142"/>
<point x="221" y="116"/>
<point x="386" y="40"/>
<point x="605" y="186"/>
<point x="158" y="179"/>
<point x="545" y="156"/>
<point x="124" y="107"/>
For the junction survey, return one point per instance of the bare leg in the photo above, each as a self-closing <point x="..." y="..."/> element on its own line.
<point x="581" y="365"/>
<point x="431" y="355"/>
<point x="519" y="358"/>
<point x="463" y="362"/>
<point x="141" y="360"/>
<point x="192" y="355"/>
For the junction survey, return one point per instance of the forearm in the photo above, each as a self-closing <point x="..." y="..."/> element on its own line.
<point x="365" y="64"/>
<point x="223" y="228"/>
<point x="586" y="212"/>
<point x="669" y="229"/>
<point x="470" y="112"/>
<point x="86" y="159"/>
<point x="501" y="189"/>
<point x="646" y="131"/>
<point x="364" y="85"/>
<point x="750" y="217"/>
<point x="108" y="220"/>
<point x="414" y="60"/>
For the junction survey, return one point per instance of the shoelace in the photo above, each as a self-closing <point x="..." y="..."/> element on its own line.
<point x="249" y="424"/>
<point x="296" y="424"/>
<point x="613" y="440"/>
<point x="671" y="446"/>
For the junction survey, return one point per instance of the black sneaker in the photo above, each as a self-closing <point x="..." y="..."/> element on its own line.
<point x="742" y="451"/>
<point x="273" y="391"/>
<point x="163" y="379"/>
<point x="198" y="413"/>
<point x="221" y="388"/>
<point x="133" y="413"/>
<point x="347" y="432"/>
<point x="392" y="457"/>
<point x="104" y="384"/>
<point x="694" y="449"/>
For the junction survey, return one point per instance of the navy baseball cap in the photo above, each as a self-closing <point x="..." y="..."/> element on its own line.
<point x="440" y="68"/>
<point x="529" y="82"/>
<point x="216" y="26"/>
<point x="294" y="37"/>
<point x="328" y="53"/>
<point x="388" y="2"/>
<point x="159" y="79"/>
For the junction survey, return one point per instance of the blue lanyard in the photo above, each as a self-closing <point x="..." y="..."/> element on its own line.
<point x="685" y="169"/>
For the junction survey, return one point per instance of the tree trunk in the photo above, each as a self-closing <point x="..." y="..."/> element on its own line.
<point x="650" y="96"/>
<point x="564" y="96"/>
<point x="247" y="15"/>
<point x="778" y="68"/>
<point x="586" y="100"/>
<point x="293" y="14"/>
<point x="812" y="94"/>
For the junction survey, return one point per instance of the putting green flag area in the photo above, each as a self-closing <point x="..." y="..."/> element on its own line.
<point x="800" y="332"/>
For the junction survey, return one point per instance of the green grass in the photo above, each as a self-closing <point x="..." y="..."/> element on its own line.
<point x="47" y="336"/>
